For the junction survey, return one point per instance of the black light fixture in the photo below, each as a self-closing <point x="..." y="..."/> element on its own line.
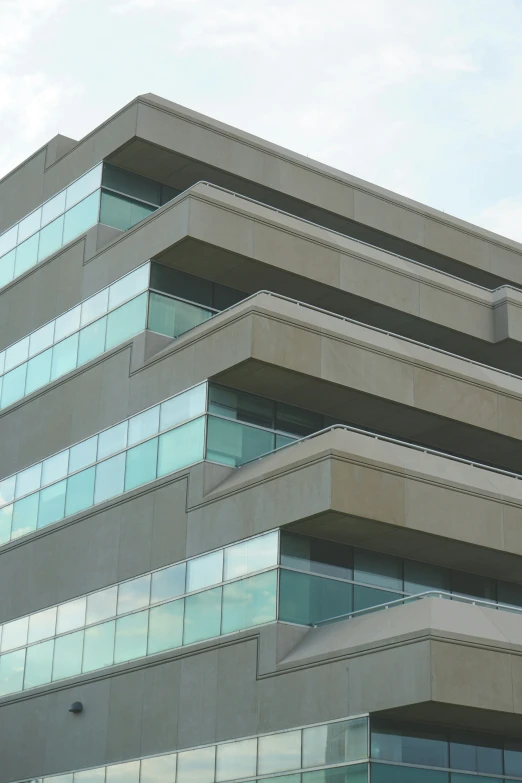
<point x="76" y="707"/>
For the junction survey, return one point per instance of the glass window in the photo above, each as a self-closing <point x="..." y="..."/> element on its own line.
<point x="236" y="760"/>
<point x="368" y="597"/>
<point x="71" y="615"/>
<point x="131" y="184"/>
<point x="8" y="240"/>
<point x="134" y="594"/>
<point x="110" y="476"/>
<point x="29" y="225"/>
<point x="252" y="555"/>
<point x="225" y="297"/>
<point x="26" y="255"/>
<point x="112" y="440"/>
<point x="129" y="286"/>
<point x="317" y="555"/>
<point x="92" y="341"/>
<point x="101" y="605"/>
<point x="124" y="773"/>
<point x="38" y="664"/>
<point x="406" y="744"/>
<point x="54" y="207"/>
<point x="374" y="568"/>
<point x="126" y="321"/>
<point x="161" y="769"/>
<point x="183" y="407"/>
<point x="144" y="425"/>
<point x="94" y="307"/>
<point x="90" y="776"/>
<point x="67" y="324"/>
<point x="98" y="649"/>
<point x="507" y="592"/>
<point x="83" y="186"/>
<point x="12" y="672"/>
<point x="202" y="616"/>
<point x="131" y="637"/>
<point x="205" y="571"/>
<point x="121" y="212"/>
<point x="67" y="778"/>
<point x="13" y="385"/>
<point x="83" y="454"/>
<point x="7" y="490"/>
<point x="55" y="468"/>
<point x="52" y="504"/>
<point x="14" y="634"/>
<point x="51" y="238"/>
<point x="241" y="406"/>
<point x="166" y="627"/>
<point x="41" y="339"/>
<point x="513" y="757"/>
<point x="233" y="444"/>
<point x="387" y="773"/>
<point x="249" y="602"/>
<point x="81" y="217"/>
<point x="16" y="354"/>
<point x="307" y="600"/>
<point x="38" y="371"/>
<point x="279" y="752"/>
<point x="181" y="447"/>
<point x="335" y="743"/>
<point x="25" y="515"/>
<point x="80" y="491"/>
<point x="42" y="625"/>
<point x="64" y="357"/>
<point x="6" y="520"/>
<point x="7" y="264"/>
<point x="473" y="585"/>
<point x="468" y="751"/>
<point x="168" y="583"/>
<point x="141" y="464"/>
<point x="196" y="766"/>
<point x="297" y="421"/>
<point x="173" y="317"/>
<point x="68" y="655"/>
<point x="28" y="480"/>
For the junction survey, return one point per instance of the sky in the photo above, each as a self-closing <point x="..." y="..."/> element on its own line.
<point x="423" y="97"/>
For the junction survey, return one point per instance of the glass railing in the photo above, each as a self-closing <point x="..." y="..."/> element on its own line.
<point x="399" y="773"/>
<point x="173" y="317"/>
<point x="311" y="754"/>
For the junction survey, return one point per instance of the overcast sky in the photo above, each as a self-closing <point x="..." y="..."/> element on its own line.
<point x="420" y="96"/>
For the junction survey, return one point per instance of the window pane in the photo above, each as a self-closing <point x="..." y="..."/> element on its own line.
<point x="236" y="760"/>
<point x="94" y="307"/>
<point x="249" y="556"/>
<point x="65" y="356"/>
<point x="26" y="255"/>
<point x="29" y="225"/>
<point x="131" y="184"/>
<point x="71" y="615"/>
<point x="233" y="444"/>
<point x="121" y="212"/>
<point x="38" y="664"/>
<point x="473" y="585"/>
<point x="8" y="240"/>
<point x="161" y="769"/>
<point x="241" y="406"/>
<point x="513" y="758"/>
<point x="313" y="554"/>
<point x="80" y="491"/>
<point x="12" y="672"/>
<point x="166" y="627"/>
<point x="196" y="766"/>
<point x="183" y="407"/>
<point x="507" y="592"/>
<point x="7" y="490"/>
<point x="67" y="324"/>
<point x="51" y="238"/>
<point x="367" y="597"/>
<point x="141" y="465"/>
<point x="52" y="504"/>
<point x="124" y="773"/>
<point x="25" y="515"/>
<point x="279" y="752"/>
<point x="92" y="341"/>
<point x="7" y="264"/>
<point x="68" y="655"/>
<point x="134" y="594"/>
<point x="469" y="751"/>
<point x="126" y="321"/>
<point x="144" y="425"/>
<point x="98" y="650"/>
<point x="81" y="217"/>
<point x="168" y="583"/>
<point x="202" y="616"/>
<point x="131" y="637"/>
<point x="173" y="317"/>
<point x="83" y="186"/>
<point x="28" y="480"/>
<point x="297" y="421"/>
<point x="335" y="743"/>
<point x="13" y="385"/>
<point x="306" y="600"/>
<point x="374" y="568"/>
<point x="54" y="207"/>
<point x="90" y="776"/>
<point x="38" y="371"/>
<point x="110" y="476"/>
<point x="112" y="440"/>
<point x="83" y="454"/>
<point x="129" y="286"/>
<point x="55" y="468"/>
<point x="16" y="354"/>
<point x="14" y="634"/>
<point x="101" y="605"/>
<point x="386" y="773"/>
<point x="249" y="602"/>
<point x="42" y="625"/>
<point x="6" y="520"/>
<point x="409" y="745"/>
<point x="181" y="447"/>
<point x="41" y="339"/>
<point x="204" y="571"/>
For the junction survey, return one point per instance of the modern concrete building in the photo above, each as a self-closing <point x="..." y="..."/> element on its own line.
<point x="260" y="462"/>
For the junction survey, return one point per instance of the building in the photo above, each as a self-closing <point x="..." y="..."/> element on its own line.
<point x="260" y="462"/>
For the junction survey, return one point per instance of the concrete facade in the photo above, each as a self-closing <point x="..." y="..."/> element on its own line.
<point x="362" y="307"/>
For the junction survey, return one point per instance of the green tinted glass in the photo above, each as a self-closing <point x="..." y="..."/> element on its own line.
<point x="126" y="321"/>
<point x="141" y="465"/>
<point x="181" y="447"/>
<point x="232" y="443"/>
<point x="98" y="650"/>
<point x="306" y="599"/>
<point x="52" y="504"/>
<point x="131" y="637"/>
<point x="25" y="515"/>
<point x="81" y="217"/>
<point x="166" y="626"/>
<point x="68" y="652"/>
<point x="249" y="602"/>
<point x="38" y="664"/>
<point x="80" y="491"/>
<point x="202" y="616"/>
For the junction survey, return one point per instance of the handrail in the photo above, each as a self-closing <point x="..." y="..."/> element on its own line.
<point x="418" y="596"/>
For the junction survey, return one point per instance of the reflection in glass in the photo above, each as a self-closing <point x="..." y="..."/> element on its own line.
<point x="202" y="616"/>
<point x="92" y="341"/>
<point x="14" y="634"/>
<point x="196" y="766"/>
<point x="25" y="515"/>
<point x="101" y="605"/>
<point x="161" y="769"/>
<point x="181" y="447"/>
<point x="71" y="615"/>
<point x="126" y="321"/>
<point x="55" y="468"/>
<point x="38" y="664"/>
<point x="26" y="255"/>
<point x="166" y="627"/>
<point x="168" y="583"/>
<point x="68" y="655"/>
<point x="42" y="625"/>
<point x="38" y="372"/>
<point x="252" y="555"/>
<point x="205" y="571"/>
<point x="141" y="464"/>
<point x="12" y="672"/>
<point x="110" y="476"/>
<point x="236" y="760"/>
<point x="98" y="650"/>
<point x="335" y="742"/>
<point x="131" y="637"/>
<point x="134" y="594"/>
<point x="51" y="238"/>
<point x="80" y="491"/>
<point x="306" y="599"/>
<point x="129" y="772"/>
<point x="83" y="454"/>
<point x="81" y="217"/>
<point x="279" y="752"/>
<point x="112" y="440"/>
<point x="90" y="776"/>
<point x="184" y="406"/>
<point x="13" y="385"/>
<point x="232" y="443"/>
<point x="249" y="602"/>
<point x="52" y="504"/>
<point x="144" y="425"/>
